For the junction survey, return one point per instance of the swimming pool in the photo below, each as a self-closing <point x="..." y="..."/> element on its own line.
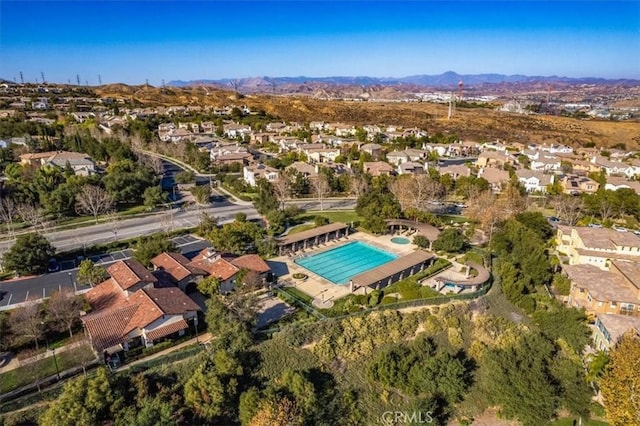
<point x="400" y="240"/>
<point x="342" y="263"/>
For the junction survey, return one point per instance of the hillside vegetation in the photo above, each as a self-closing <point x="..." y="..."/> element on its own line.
<point x="475" y="124"/>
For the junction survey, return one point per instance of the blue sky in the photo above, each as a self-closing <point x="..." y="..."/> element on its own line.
<point x="171" y="40"/>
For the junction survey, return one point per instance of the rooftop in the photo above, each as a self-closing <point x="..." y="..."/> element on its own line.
<point x="391" y="268"/>
<point x="604" y="286"/>
<point x="311" y="233"/>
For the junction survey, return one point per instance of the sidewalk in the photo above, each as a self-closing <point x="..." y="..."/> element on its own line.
<point x="16" y="363"/>
<point x="203" y="339"/>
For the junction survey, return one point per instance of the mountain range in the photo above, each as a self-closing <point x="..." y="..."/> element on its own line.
<point x="445" y="80"/>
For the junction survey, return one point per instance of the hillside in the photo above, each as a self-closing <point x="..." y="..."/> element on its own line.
<point x="469" y="123"/>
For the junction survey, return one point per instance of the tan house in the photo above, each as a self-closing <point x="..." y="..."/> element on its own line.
<point x="616" y="291"/>
<point x="597" y="246"/>
<point x="575" y="185"/>
<point x="81" y="164"/>
<point x="609" y="328"/>
<point x="497" y="178"/>
<point x="493" y="159"/>
<point x="378" y="168"/>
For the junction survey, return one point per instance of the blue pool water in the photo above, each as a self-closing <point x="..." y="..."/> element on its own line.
<point x="340" y="264"/>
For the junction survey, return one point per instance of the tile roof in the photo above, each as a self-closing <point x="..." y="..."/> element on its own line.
<point x="252" y="262"/>
<point x="176" y="265"/>
<point x="617" y="324"/>
<point x="171" y="301"/>
<point x="105" y="295"/>
<point x="311" y="233"/>
<point x="604" y="286"/>
<point x="127" y="273"/>
<point x="166" y="330"/>
<point x="214" y="265"/>
<point x="389" y="269"/>
<point x="110" y="326"/>
<point x="106" y="328"/>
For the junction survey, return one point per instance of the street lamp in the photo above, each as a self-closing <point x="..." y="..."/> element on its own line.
<point x="55" y="361"/>
<point x="195" y="324"/>
<point x="73" y="282"/>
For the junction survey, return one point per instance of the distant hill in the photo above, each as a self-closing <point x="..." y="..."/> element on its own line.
<point x="447" y="79"/>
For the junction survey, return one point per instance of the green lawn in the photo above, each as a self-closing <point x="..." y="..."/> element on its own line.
<point x="298" y="294"/>
<point x="346" y="216"/>
<point x="46" y="367"/>
<point x="300" y="228"/>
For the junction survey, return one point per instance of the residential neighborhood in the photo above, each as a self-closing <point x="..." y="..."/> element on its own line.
<point x="305" y="225"/>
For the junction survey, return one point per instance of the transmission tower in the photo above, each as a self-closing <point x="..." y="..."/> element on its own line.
<point x="21" y="78"/>
<point x="78" y="79"/>
<point x="452" y="106"/>
<point x="99" y="79"/>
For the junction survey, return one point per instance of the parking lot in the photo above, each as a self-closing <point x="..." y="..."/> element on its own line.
<point x="37" y="287"/>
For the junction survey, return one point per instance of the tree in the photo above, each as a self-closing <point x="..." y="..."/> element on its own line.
<point x="213" y="386"/>
<point x="483" y="208"/>
<point x="30" y="254"/>
<point x="153" y="196"/>
<point x="421" y="241"/>
<point x="64" y="310"/>
<point x="8" y="213"/>
<point x="450" y="240"/>
<point x="89" y="273"/>
<point x="209" y="286"/>
<point x="201" y="193"/>
<point x="415" y="191"/>
<point x="149" y="247"/>
<point x="185" y="177"/>
<point x="84" y="401"/>
<point x="358" y="185"/>
<point x="537" y="223"/>
<point x="620" y="385"/>
<point x="320" y="186"/>
<point x="28" y="322"/>
<point x="33" y="214"/>
<point x="93" y="200"/>
<point x="126" y="181"/>
<point x="266" y="200"/>
<point x="518" y="379"/>
<point x="282" y="188"/>
<point x="207" y="224"/>
<point x="568" y="207"/>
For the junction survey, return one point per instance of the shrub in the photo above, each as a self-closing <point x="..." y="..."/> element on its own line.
<point x="374" y="298"/>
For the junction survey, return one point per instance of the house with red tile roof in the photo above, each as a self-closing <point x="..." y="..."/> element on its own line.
<point x="226" y="268"/>
<point x="178" y="269"/>
<point x="131" y="275"/>
<point x="145" y="317"/>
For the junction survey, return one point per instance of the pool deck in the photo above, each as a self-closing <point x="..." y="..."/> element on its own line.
<point x="324" y="291"/>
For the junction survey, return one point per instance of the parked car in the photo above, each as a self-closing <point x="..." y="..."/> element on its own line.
<point x="54" y="266"/>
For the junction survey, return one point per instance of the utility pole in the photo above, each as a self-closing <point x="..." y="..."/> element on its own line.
<point x="78" y="79"/>
<point x="21" y="78"/>
<point x="43" y="79"/>
<point x="99" y="79"/>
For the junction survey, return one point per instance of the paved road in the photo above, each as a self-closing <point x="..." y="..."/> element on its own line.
<point x="34" y="288"/>
<point x="128" y="228"/>
<point x="327" y="204"/>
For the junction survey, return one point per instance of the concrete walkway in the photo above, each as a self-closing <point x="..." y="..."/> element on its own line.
<point x="16" y="363"/>
<point x="203" y="339"/>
